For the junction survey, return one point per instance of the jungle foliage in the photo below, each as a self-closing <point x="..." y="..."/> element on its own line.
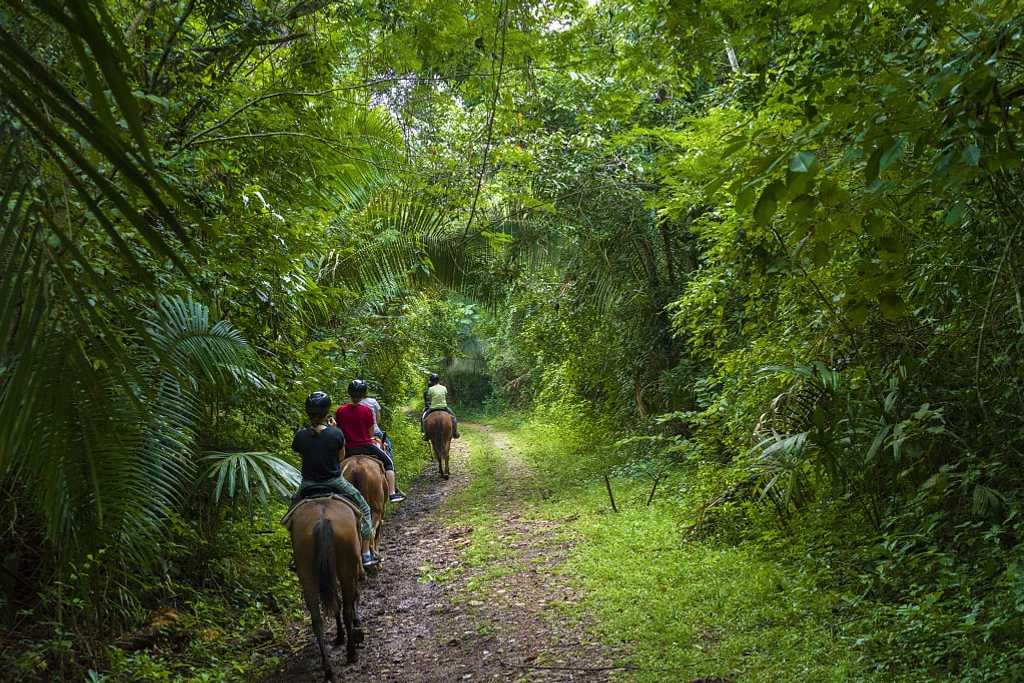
<point x="771" y="246"/>
<point x="788" y="259"/>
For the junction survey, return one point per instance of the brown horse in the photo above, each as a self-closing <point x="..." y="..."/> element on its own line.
<point x="366" y="473"/>
<point x="325" y="541"/>
<point x="439" y="432"/>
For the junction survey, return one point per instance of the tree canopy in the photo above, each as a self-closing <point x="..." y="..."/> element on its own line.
<point x="773" y="246"/>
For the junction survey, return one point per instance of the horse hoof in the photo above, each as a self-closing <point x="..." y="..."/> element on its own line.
<point x="357" y="635"/>
<point x="340" y="640"/>
<point x="446" y="477"/>
<point x="352" y="656"/>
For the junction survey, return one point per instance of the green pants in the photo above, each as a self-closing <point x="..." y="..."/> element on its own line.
<point x="342" y="487"/>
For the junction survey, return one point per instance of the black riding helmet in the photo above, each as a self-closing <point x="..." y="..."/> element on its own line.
<point x="357" y="388"/>
<point x="317" y="404"/>
<point x="433" y="379"/>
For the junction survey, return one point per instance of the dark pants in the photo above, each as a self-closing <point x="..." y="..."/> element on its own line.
<point x="374" y="450"/>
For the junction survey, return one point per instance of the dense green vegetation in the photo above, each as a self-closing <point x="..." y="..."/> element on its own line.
<point x="766" y="254"/>
<point x="688" y="610"/>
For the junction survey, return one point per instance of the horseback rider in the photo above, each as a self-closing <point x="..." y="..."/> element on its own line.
<point x="356" y="420"/>
<point x="378" y="433"/>
<point x="435" y="397"/>
<point x="322" y="448"/>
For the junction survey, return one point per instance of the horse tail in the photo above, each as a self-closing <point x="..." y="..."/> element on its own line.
<point x="323" y="540"/>
<point x="436" y="432"/>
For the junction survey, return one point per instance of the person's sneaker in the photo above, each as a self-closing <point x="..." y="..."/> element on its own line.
<point x="456" y="435"/>
<point x="396" y="497"/>
<point x="369" y="560"/>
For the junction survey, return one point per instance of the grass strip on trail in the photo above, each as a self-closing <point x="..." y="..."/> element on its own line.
<point x="694" y="608"/>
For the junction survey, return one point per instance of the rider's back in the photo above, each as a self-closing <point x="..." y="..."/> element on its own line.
<point x="319" y="453"/>
<point x="438" y="396"/>
<point x="356" y="422"/>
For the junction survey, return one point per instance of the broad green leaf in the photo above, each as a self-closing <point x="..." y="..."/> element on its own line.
<point x="744" y="199"/>
<point x="820" y="253"/>
<point x="972" y="154"/>
<point x="768" y="203"/>
<point x="891" y="154"/>
<point x="888" y="243"/>
<point x="802" y="207"/>
<point x="734" y="146"/>
<point x="955" y="214"/>
<point x="857" y="313"/>
<point x="891" y="304"/>
<point x="873" y="224"/>
<point x="871" y="169"/>
<point x="802" y="162"/>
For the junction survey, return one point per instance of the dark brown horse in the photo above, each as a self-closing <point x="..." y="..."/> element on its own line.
<point x="325" y="540"/>
<point x="366" y="473"/>
<point x="439" y="432"/>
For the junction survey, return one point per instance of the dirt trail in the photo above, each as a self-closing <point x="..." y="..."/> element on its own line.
<point x="429" y="616"/>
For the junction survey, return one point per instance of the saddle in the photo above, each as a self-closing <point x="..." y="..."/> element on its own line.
<point x="320" y="498"/>
<point x="434" y="410"/>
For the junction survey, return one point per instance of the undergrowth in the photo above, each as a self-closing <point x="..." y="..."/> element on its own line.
<point x="215" y="609"/>
<point x="685" y="606"/>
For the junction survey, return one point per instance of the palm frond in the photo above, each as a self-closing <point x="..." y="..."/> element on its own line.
<point x="259" y="474"/>
<point x="412" y="244"/>
<point x="182" y="331"/>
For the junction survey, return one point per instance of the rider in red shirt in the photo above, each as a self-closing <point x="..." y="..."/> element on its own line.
<point x="356" y="421"/>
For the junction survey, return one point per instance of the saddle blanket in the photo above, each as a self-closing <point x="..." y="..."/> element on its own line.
<point x="334" y="496"/>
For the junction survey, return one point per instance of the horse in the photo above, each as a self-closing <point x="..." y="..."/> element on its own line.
<point x="439" y="432"/>
<point x="366" y="473"/>
<point x="325" y="541"/>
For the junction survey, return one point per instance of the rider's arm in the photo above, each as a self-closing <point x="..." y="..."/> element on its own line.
<point x="426" y="399"/>
<point x="341" y="451"/>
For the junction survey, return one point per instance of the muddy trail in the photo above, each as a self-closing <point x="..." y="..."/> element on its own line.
<point x="433" y="614"/>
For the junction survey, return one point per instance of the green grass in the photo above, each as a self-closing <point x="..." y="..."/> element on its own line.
<point x="472" y="507"/>
<point x="701" y="609"/>
<point x="679" y="610"/>
<point x="412" y="453"/>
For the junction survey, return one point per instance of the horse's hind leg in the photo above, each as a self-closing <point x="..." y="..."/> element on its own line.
<point x="351" y="619"/>
<point x="313" y="605"/>
<point x="339" y="637"/>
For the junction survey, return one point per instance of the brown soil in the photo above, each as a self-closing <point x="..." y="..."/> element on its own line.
<point x="428" y="616"/>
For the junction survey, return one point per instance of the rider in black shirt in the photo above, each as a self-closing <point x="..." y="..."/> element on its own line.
<point x="322" y="448"/>
<point x="319" y="452"/>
